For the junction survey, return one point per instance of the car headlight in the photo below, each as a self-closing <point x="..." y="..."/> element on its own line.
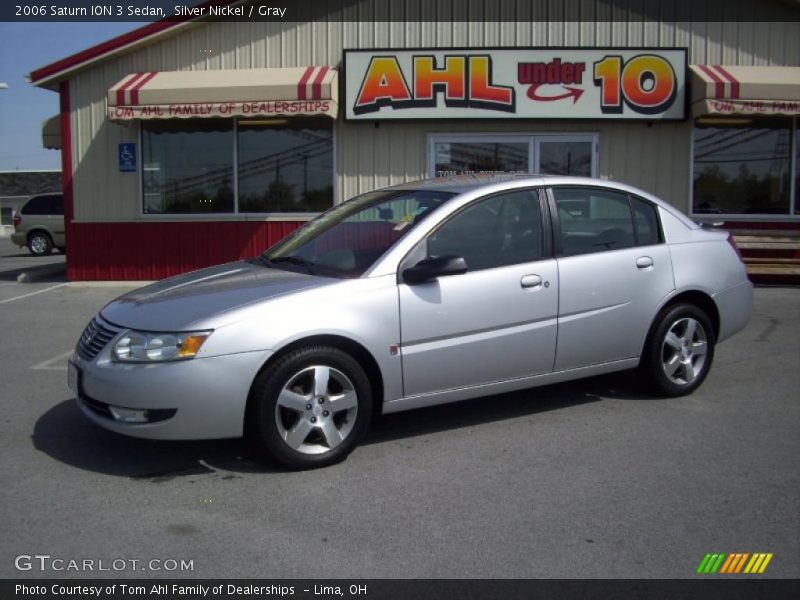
<point x="141" y="346"/>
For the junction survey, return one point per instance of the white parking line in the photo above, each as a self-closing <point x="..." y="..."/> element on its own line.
<point x="7" y="300"/>
<point x="49" y="366"/>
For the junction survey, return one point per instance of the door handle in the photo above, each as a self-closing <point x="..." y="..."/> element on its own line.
<point x="644" y="262"/>
<point x="531" y="281"/>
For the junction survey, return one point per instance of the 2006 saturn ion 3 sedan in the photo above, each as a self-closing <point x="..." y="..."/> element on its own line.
<point x="414" y="295"/>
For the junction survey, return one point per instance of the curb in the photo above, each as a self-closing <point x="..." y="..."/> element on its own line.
<point x="44" y="272"/>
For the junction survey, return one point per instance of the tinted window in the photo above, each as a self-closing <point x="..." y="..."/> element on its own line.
<point x="188" y="166"/>
<point x="645" y="218"/>
<point x="593" y="220"/>
<point x="49" y="204"/>
<point x="502" y="230"/>
<point x="285" y="167"/>
<point x="346" y="240"/>
<point x="743" y="166"/>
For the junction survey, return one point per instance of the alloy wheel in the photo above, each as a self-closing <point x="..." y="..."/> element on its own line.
<point x="316" y="410"/>
<point x="684" y="351"/>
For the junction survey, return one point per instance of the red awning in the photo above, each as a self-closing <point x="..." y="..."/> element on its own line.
<point x="225" y="93"/>
<point x="751" y="91"/>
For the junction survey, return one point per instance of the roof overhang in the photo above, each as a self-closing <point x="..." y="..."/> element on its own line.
<point x="745" y="91"/>
<point x="50" y="75"/>
<point x="285" y="92"/>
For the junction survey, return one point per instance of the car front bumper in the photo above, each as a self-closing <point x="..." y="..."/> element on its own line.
<point x="201" y="398"/>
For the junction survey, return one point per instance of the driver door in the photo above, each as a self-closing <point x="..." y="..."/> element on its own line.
<point x="496" y="322"/>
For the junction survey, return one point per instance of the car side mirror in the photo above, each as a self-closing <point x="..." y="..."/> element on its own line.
<point x="431" y="268"/>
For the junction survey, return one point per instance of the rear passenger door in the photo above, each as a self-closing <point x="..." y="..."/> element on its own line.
<point x="614" y="271"/>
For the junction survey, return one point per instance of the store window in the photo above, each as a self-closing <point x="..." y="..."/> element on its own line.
<point x="556" y="154"/>
<point x="285" y="166"/>
<point x="744" y="166"/>
<point x="187" y="167"/>
<point x="250" y="166"/>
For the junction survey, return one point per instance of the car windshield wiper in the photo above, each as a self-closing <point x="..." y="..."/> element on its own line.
<point x="293" y="260"/>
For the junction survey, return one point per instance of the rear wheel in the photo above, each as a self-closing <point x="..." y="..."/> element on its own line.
<point x="310" y="408"/>
<point x="39" y="243"/>
<point x="680" y="350"/>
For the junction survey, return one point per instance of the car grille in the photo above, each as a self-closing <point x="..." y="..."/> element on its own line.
<point x="95" y="337"/>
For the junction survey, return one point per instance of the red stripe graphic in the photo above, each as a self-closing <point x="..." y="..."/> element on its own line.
<point x="125" y="86"/>
<point x="135" y="89"/>
<point x="731" y="79"/>
<point x="719" y="84"/>
<point x="301" y="87"/>
<point x="316" y="88"/>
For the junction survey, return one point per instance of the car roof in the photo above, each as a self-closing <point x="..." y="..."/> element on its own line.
<point x="493" y="182"/>
<point x="468" y="182"/>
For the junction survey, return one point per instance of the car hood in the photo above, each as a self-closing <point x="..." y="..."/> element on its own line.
<point x="191" y="301"/>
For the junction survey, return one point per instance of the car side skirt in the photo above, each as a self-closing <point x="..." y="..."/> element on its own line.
<point x="500" y="387"/>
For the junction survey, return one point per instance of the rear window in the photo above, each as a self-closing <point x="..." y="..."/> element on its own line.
<point x="47" y="204"/>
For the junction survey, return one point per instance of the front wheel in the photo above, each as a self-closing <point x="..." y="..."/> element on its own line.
<point x="310" y="408"/>
<point x="680" y="350"/>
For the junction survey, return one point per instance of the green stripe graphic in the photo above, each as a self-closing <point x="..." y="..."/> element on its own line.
<point x="717" y="564"/>
<point x="703" y="563"/>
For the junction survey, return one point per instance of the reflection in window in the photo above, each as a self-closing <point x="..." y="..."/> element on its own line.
<point x="187" y="167"/>
<point x="457" y="158"/>
<point x="502" y="230"/>
<point x="797" y="168"/>
<point x="593" y="220"/>
<point x="285" y="165"/>
<point x="566" y="158"/>
<point x="742" y="166"/>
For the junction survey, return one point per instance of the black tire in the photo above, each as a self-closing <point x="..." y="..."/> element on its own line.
<point x="690" y="352"/>
<point x="269" y="425"/>
<point x="62" y="249"/>
<point x="40" y="243"/>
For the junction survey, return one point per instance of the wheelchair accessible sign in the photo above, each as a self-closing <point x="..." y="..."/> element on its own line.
<point x="127" y="158"/>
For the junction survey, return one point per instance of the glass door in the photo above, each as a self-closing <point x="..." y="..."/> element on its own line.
<point x="479" y="155"/>
<point x="471" y="154"/>
<point x="566" y="155"/>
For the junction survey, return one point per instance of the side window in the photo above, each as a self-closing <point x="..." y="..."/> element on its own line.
<point x="645" y="219"/>
<point x="57" y="206"/>
<point x="593" y="220"/>
<point x="38" y="205"/>
<point x="501" y="230"/>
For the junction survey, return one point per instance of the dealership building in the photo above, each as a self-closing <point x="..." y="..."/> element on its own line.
<point x="195" y="142"/>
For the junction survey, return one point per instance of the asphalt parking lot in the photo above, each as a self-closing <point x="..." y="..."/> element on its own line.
<point x="590" y="479"/>
<point x="15" y="261"/>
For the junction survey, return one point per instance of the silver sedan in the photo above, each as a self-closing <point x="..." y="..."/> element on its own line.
<point x="410" y="296"/>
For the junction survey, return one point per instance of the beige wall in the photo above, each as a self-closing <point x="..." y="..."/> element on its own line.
<point x="655" y="157"/>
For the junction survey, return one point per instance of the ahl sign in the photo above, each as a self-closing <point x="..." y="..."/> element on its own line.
<point x="552" y="83"/>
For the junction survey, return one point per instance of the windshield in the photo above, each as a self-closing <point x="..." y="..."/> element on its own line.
<point x="346" y="240"/>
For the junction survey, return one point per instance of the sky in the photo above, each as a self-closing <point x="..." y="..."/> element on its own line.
<point x="24" y="47"/>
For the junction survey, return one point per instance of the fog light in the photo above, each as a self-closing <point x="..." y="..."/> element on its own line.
<point x="128" y="415"/>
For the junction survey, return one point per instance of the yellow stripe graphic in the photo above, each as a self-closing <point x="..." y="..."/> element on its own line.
<point x="756" y="557"/>
<point x="765" y="563"/>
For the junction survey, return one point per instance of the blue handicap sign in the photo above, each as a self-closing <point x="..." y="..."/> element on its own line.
<point x="127" y="158"/>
